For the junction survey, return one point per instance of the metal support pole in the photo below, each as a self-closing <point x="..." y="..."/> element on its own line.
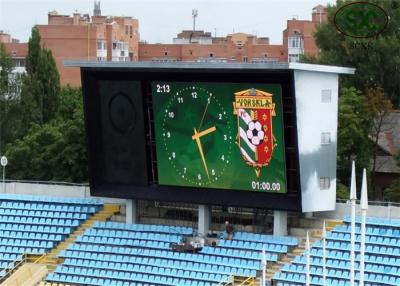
<point x="353" y="198"/>
<point x="324" y="255"/>
<point x="364" y="208"/>
<point x="307" y="260"/>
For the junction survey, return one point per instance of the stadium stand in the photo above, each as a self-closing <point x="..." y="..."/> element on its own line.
<point x="113" y="253"/>
<point x="382" y="256"/>
<point x="36" y="224"/>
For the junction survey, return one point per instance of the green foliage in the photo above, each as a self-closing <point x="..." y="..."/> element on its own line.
<point x="392" y="193"/>
<point x="353" y="126"/>
<point x="377" y="59"/>
<point x="342" y="192"/>
<point x="54" y="150"/>
<point x="40" y="94"/>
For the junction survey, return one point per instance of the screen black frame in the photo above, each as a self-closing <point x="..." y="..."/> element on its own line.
<point x="290" y="201"/>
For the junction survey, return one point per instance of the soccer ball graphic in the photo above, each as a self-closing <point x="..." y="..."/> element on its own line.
<point x="254" y="132"/>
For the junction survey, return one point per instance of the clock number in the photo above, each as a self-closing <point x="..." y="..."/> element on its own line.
<point x="223" y="158"/>
<point x="169" y="134"/>
<point x="184" y="170"/>
<point x="163" y="88"/>
<point x="199" y="176"/>
<point x="219" y="116"/>
<point x="180" y="99"/>
<point x="173" y="155"/>
<point x="225" y="137"/>
<point x="194" y="94"/>
<point x="171" y="114"/>
<point x="209" y="100"/>
<point x="213" y="172"/>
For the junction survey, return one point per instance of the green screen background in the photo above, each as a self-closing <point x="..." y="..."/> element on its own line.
<point x="236" y="174"/>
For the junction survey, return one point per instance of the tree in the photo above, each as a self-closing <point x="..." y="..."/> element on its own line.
<point x="55" y="150"/>
<point x="353" y="126"/>
<point x="40" y="94"/>
<point x="377" y="60"/>
<point x="6" y="66"/>
<point x="378" y="109"/>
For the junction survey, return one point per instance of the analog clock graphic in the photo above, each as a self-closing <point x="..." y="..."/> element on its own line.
<point x="196" y="134"/>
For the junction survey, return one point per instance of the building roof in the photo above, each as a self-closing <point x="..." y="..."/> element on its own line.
<point x="211" y="66"/>
<point x="389" y="138"/>
<point x="389" y="142"/>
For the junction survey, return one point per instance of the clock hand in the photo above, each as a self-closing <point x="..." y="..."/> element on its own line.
<point x="205" y="132"/>
<point x="197" y="138"/>
<point x="204" y="113"/>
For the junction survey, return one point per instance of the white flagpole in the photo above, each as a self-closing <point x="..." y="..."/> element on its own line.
<point x="324" y="255"/>
<point x="353" y="198"/>
<point x="264" y="266"/>
<point x="307" y="260"/>
<point x="364" y="208"/>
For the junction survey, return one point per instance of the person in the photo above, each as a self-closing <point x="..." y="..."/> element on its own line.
<point x="229" y="230"/>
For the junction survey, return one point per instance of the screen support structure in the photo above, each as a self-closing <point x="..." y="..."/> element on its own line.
<point x="280" y="223"/>
<point x="204" y="221"/>
<point x="131" y="211"/>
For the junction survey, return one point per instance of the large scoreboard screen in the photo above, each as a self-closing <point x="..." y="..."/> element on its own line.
<point x="197" y="133"/>
<point x="219" y="135"/>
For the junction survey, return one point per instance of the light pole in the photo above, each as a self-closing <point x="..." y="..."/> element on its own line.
<point x="4" y="162"/>
<point x="353" y="198"/>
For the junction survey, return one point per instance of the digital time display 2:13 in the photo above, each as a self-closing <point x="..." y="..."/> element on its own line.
<point x="220" y="135"/>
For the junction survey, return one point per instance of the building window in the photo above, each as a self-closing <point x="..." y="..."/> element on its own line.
<point x="165" y="53"/>
<point x="211" y="55"/>
<point x="245" y="59"/>
<point x="325" y="138"/>
<point x="324" y="183"/>
<point x="126" y="29"/>
<point x="326" y="95"/>
<point x="294" y="58"/>
<point x="296" y="42"/>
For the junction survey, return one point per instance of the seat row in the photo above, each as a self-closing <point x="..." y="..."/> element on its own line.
<point x="123" y="264"/>
<point x="102" y="240"/>
<point x="21" y="249"/>
<point x="135" y="279"/>
<point x="40" y="221"/>
<point x="369" y="239"/>
<point x="345" y="264"/>
<point x="35" y="228"/>
<point x="379" y="221"/>
<point x="370" y="279"/>
<point x="270" y="247"/>
<point x="30" y="235"/>
<point x="345" y="255"/>
<point x="125" y="274"/>
<point x="166" y="237"/>
<point x="369" y="248"/>
<point x="26" y="243"/>
<point x="181" y="230"/>
<point x="370" y="230"/>
<point x="230" y="252"/>
<point x="340" y="272"/>
<point x="265" y="238"/>
<point x="86" y="251"/>
<point x="42" y="213"/>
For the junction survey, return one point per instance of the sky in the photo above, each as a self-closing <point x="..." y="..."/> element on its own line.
<point x="161" y="20"/>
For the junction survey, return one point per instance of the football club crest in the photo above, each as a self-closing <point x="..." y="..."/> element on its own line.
<point x="254" y="110"/>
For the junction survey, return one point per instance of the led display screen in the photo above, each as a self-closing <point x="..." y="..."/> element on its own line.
<point x="220" y="135"/>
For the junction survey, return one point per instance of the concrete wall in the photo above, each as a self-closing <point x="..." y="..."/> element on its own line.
<point x="76" y="191"/>
<point x="343" y="209"/>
